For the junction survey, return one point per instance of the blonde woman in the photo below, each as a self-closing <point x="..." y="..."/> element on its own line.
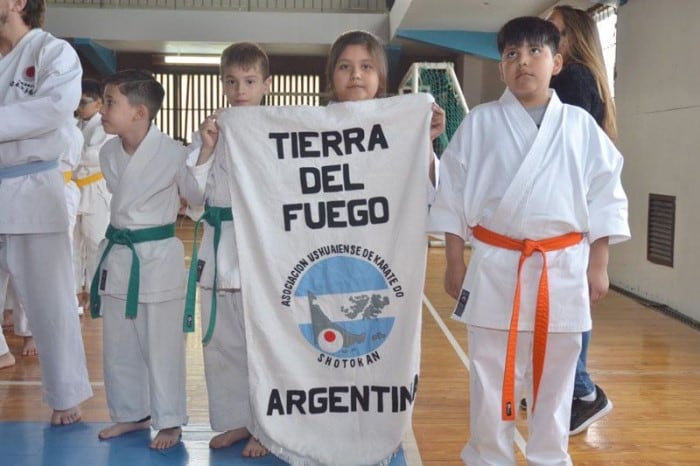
<point x="583" y="82"/>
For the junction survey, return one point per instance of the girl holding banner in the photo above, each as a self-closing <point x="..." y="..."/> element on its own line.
<point x="357" y="70"/>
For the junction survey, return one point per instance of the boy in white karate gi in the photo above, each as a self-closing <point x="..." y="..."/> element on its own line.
<point x="246" y="80"/>
<point x="139" y="283"/>
<point x="93" y="210"/>
<point x="41" y="79"/>
<point x="527" y="178"/>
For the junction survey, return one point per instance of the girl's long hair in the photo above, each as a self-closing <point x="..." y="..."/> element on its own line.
<point x="584" y="48"/>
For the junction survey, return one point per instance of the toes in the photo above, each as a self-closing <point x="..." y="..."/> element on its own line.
<point x="166" y="438"/>
<point x="65" y="417"/>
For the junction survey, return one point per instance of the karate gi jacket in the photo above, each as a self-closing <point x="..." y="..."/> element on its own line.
<point x="39" y="90"/>
<point x="501" y="172"/>
<point x="146" y="189"/>
<point x="94" y="195"/>
<point x="216" y="192"/>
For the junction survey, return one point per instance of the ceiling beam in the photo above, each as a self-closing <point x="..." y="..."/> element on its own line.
<point x="481" y="44"/>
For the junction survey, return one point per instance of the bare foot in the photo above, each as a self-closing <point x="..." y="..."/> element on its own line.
<point x="228" y="438"/>
<point x="166" y="438"/>
<point x="121" y="428"/>
<point x="29" y="348"/>
<point x="254" y="449"/>
<point x="63" y="417"/>
<point x="7" y="360"/>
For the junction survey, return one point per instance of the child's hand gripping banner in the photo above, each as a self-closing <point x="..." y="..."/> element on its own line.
<point x="330" y="208"/>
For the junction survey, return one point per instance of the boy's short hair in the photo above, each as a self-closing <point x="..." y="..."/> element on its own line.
<point x="92" y="88"/>
<point x="530" y="29"/>
<point x="246" y="55"/>
<point x="140" y="87"/>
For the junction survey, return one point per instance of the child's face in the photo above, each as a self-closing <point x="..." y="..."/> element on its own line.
<point x="527" y="69"/>
<point x="355" y="75"/>
<point x="245" y="86"/>
<point x="117" y="113"/>
<point x="88" y="107"/>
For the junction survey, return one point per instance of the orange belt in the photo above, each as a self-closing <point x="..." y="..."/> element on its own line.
<point x="527" y="248"/>
<point x="82" y="182"/>
<point x="67" y="176"/>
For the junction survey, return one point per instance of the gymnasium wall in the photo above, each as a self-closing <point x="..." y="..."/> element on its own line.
<point x="658" y="106"/>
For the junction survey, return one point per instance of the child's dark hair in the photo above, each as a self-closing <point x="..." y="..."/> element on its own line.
<point x="530" y="29"/>
<point x="33" y="13"/>
<point x="373" y="46"/>
<point x="140" y="87"/>
<point x="92" y="88"/>
<point x="246" y="55"/>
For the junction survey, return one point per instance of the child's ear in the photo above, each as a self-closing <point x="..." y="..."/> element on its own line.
<point x="19" y="5"/>
<point x="558" y="63"/>
<point x="268" y="83"/>
<point x="500" y="72"/>
<point x="142" y="112"/>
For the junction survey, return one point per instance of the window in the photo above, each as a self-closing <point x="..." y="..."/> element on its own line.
<point x="191" y="97"/>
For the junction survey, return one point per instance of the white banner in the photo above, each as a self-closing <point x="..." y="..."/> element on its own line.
<point x="330" y="208"/>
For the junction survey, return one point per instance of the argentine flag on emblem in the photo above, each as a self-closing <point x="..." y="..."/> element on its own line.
<point x="330" y="208"/>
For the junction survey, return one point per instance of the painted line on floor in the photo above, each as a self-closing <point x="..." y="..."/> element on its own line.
<point x="410" y="449"/>
<point x="519" y="440"/>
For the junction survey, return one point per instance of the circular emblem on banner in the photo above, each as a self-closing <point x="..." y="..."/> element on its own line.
<point x="30" y="72"/>
<point x="346" y="306"/>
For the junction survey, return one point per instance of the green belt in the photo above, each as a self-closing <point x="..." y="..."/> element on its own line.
<point x="214" y="216"/>
<point x="127" y="238"/>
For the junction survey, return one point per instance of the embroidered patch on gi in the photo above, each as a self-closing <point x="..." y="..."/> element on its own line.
<point x="103" y="280"/>
<point x="200" y="268"/>
<point x="461" y="303"/>
<point x="189" y="324"/>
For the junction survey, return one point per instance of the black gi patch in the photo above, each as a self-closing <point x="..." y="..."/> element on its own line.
<point x="200" y="268"/>
<point x="461" y="303"/>
<point x="103" y="279"/>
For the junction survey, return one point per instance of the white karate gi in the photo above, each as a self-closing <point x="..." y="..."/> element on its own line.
<point x="20" y="326"/>
<point x="3" y="299"/>
<point x="144" y="358"/>
<point x="4" y="349"/>
<point x="93" y="211"/>
<point x="41" y="79"/>
<point x="499" y="171"/>
<point x="225" y="356"/>
<point x="68" y="162"/>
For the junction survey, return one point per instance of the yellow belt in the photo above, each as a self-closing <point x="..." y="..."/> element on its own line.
<point x="67" y="176"/>
<point x="82" y="182"/>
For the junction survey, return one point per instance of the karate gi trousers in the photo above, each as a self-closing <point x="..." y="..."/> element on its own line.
<point x="226" y="361"/>
<point x="40" y="269"/>
<point x="144" y="362"/>
<point x="491" y="441"/>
